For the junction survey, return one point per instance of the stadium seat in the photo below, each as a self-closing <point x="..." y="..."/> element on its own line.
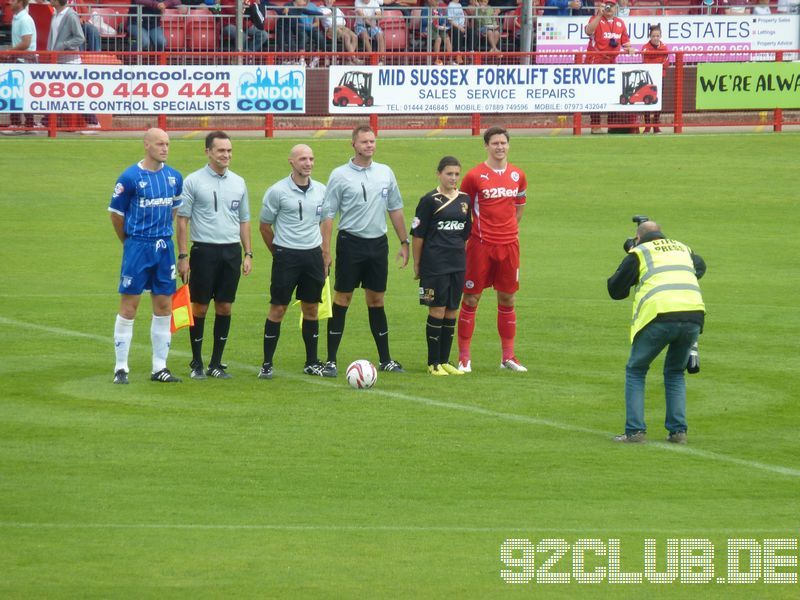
<point x="201" y="30"/>
<point x="394" y="30"/>
<point x="174" y="25"/>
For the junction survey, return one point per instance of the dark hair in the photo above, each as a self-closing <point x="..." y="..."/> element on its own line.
<point x="447" y="161"/>
<point x="361" y="129"/>
<point x="61" y="2"/>
<point x="215" y="135"/>
<point x="654" y="27"/>
<point x="492" y="131"/>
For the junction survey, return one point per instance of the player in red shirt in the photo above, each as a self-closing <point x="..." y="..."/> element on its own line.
<point x="655" y="52"/>
<point x="607" y="36"/>
<point x="497" y="191"/>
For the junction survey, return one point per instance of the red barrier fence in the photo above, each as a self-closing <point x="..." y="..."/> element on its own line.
<point x="678" y="94"/>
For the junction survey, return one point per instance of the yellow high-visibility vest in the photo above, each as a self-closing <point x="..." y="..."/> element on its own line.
<point x="667" y="282"/>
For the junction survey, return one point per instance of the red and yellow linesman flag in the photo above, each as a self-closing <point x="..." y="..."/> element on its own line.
<point x="181" y="310"/>
<point x="325" y="310"/>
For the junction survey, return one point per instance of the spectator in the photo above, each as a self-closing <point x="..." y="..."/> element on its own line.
<point x="655" y="52"/>
<point x="66" y="35"/>
<point x="148" y="33"/>
<point x="788" y="7"/>
<point x="436" y="16"/>
<point x="561" y="8"/>
<point x="762" y="8"/>
<point x="367" y="28"/>
<point x="91" y="33"/>
<point x="623" y="9"/>
<point x="23" y="40"/>
<point x="607" y="35"/>
<point x="339" y="29"/>
<point x="458" y="26"/>
<point x="309" y="22"/>
<point x="487" y="24"/>
<point x="255" y="39"/>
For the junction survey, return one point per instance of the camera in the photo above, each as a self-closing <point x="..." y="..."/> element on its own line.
<point x="613" y="43"/>
<point x="628" y="244"/>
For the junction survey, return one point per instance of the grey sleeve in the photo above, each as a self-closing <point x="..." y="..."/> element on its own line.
<point x="186" y="198"/>
<point x="270" y="206"/>
<point x="394" y="201"/>
<point x="244" y="205"/>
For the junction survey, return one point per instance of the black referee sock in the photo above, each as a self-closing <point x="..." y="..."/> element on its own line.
<point x="196" y="339"/>
<point x="380" y="331"/>
<point x="310" y="339"/>
<point x="272" y="331"/>
<point x="222" y="327"/>
<point x="433" y="335"/>
<point x="446" y="341"/>
<point x="335" y="330"/>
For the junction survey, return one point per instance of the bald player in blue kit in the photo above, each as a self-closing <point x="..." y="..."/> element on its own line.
<point x="143" y="206"/>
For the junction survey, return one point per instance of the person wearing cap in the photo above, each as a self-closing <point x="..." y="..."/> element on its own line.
<point x="607" y="36"/>
<point x="668" y="312"/>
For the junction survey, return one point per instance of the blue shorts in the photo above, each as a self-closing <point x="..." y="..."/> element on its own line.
<point x="372" y="31"/>
<point x="147" y="265"/>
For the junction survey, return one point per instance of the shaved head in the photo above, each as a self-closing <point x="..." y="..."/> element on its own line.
<point x="156" y="148"/>
<point x="301" y="157"/>
<point x="298" y="150"/>
<point x="647" y="227"/>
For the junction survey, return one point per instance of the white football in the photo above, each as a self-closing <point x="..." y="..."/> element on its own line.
<point x="361" y="374"/>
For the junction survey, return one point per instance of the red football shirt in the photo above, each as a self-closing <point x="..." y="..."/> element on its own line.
<point x="656" y="55"/>
<point x="494" y="198"/>
<point x="600" y="40"/>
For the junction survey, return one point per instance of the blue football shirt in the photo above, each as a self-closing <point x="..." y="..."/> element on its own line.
<point x="146" y="200"/>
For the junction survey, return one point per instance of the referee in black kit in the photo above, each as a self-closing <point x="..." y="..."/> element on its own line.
<point x="291" y="216"/>
<point x="362" y="191"/>
<point x="215" y="201"/>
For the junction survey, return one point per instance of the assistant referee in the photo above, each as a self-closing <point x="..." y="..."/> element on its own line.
<point x="291" y="225"/>
<point x="215" y="201"/>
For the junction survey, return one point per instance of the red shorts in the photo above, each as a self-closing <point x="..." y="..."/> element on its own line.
<point x="490" y="265"/>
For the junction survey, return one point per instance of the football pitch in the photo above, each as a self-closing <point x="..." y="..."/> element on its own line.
<point x="301" y="487"/>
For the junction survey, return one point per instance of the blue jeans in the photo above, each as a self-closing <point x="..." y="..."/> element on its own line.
<point x="647" y="345"/>
<point x="152" y="38"/>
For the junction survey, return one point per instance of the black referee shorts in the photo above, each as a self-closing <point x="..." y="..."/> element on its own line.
<point x="361" y="262"/>
<point x="301" y="269"/>
<point x="441" y="290"/>
<point x="214" y="272"/>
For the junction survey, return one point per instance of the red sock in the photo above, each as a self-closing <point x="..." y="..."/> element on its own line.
<point x="507" y="328"/>
<point x="466" y="326"/>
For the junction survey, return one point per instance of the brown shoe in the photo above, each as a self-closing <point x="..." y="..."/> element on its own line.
<point x="678" y="437"/>
<point x="631" y="438"/>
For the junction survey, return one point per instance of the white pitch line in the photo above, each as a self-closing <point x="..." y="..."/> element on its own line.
<point x="466" y="408"/>
<point x="787" y="532"/>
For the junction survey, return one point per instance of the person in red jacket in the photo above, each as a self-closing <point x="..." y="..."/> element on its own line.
<point x="607" y="36"/>
<point x="655" y="52"/>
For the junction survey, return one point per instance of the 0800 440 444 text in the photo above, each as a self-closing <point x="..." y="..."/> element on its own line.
<point x="674" y="560"/>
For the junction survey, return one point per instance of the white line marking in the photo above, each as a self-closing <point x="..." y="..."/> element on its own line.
<point x="788" y="532"/>
<point x="465" y="408"/>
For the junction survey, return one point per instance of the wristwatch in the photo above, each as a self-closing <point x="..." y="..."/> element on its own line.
<point x="182" y="256"/>
<point x="405" y="241"/>
<point x="250" y="254"/>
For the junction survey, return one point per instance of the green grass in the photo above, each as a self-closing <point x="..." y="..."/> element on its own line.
<point x="305" y="488"/>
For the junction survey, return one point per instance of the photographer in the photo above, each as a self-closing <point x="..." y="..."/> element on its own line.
<point x="668" y="310"/>
<point x="607" y="35"/>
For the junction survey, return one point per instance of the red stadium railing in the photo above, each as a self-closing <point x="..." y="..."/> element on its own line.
<point x="678" y="112"/>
